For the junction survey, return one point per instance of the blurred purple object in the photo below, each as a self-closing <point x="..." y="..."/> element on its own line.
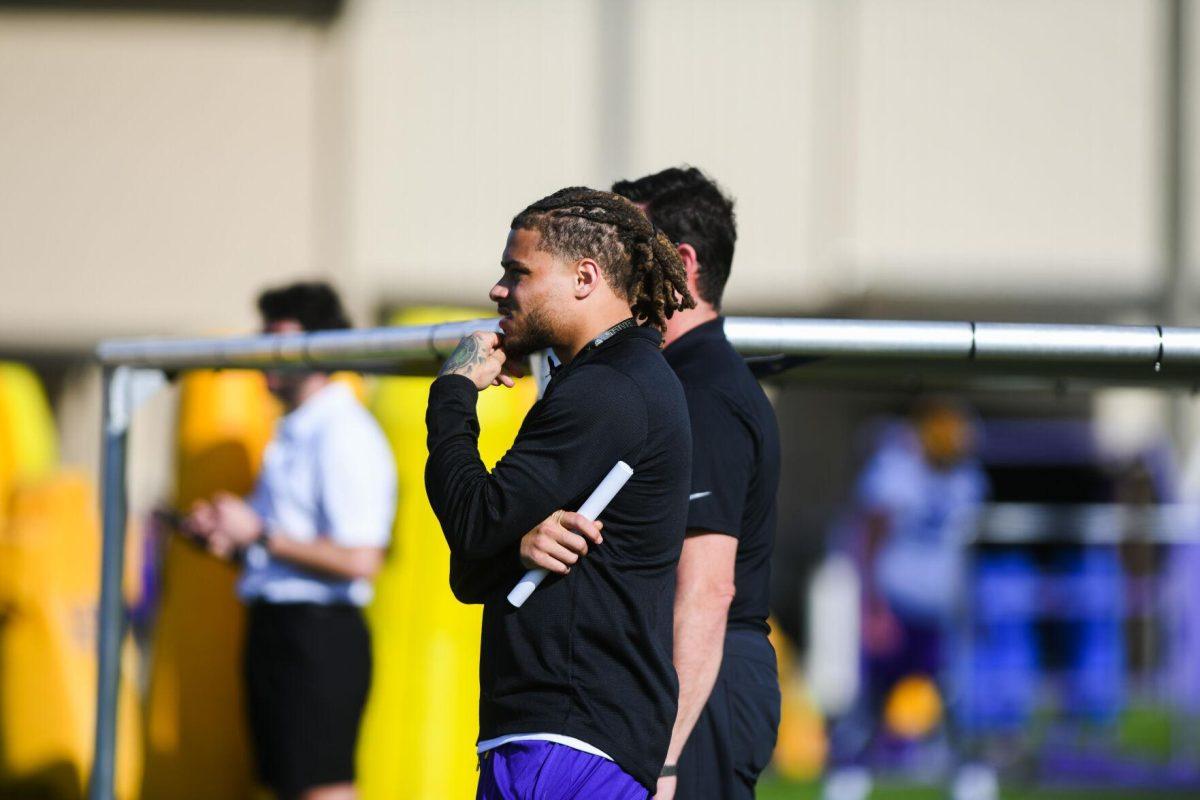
<point x="1068" y="766"/>
<point x="1181" y="599"/>
<point x="141" y="614"/>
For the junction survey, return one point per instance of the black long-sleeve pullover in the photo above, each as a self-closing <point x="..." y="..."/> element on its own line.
<point x="589" y="654"/>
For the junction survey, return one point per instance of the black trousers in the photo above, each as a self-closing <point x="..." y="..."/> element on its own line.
<point x="308" y="669"/>
<point x="734" y="738"/>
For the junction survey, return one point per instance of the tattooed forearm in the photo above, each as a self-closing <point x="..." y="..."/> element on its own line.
<point x="464" y="358"/>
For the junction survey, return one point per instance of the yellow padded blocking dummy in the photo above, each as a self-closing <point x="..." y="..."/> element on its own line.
<point x="51" y="551"/>
<point x="197" y="744"/>
<point x="419" y="731"/>
<point x="802" y="745"/>
<point x="28" y="445"/>
<point x="28" y="439"/>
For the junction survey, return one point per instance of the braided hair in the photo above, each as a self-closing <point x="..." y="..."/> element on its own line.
<point x="637" y="260"/>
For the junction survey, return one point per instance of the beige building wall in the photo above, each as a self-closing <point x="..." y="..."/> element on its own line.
<point x="929" y="150"/>
<point x="740" y="90"/>
<point x="458" y="114"/>
<point x="156" y="170"/>
<point x="1007" y="149"/>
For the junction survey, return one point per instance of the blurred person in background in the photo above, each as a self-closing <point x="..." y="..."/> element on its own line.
<point x="915" y="502"/>
<point x="311" y="536"/>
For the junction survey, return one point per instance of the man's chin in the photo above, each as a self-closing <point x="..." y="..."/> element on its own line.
<point x="515" y="349"/>
<point x="519" y="347"/>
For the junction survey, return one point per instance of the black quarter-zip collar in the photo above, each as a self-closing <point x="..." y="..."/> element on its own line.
<point x="625" y="329"/>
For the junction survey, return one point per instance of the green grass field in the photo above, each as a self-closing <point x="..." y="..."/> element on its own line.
<point x="774" y="789"/>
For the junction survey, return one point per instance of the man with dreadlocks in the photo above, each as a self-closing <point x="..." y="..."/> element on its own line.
<point x="728" y="686"/>
<point x="577" y="690"/>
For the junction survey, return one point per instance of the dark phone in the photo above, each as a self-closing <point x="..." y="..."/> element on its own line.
<point x="173" y="522"/>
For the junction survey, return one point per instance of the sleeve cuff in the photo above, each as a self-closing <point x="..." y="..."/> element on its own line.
<point x="451" y="411"/>
<point x="696" y="524"/>
<point x="451" y="386"/>
<point x="452" y="397"/>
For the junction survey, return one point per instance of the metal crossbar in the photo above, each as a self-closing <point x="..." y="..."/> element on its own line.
<point x="1152" y="348"/>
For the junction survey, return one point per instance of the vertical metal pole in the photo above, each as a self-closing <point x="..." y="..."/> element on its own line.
<point x="1175" y="161"/>
<point x="1175" y="304"/>
<point x="111" y="623"/>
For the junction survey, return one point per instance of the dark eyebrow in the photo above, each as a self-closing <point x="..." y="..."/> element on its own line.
<point x="513" y="264"/>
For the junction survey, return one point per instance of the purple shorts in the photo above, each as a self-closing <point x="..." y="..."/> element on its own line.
<point x="538" y="770"/>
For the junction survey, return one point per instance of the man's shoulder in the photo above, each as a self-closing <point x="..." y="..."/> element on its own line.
<point x="601" y="388"/>
<point x="633" y="381"/>
<point x="353" y="425"/>
<point x="354" y="414"/>
<point x="711" y="360"/>
<point x="720" y="387"/>
<point x="724" y="380"/>
<point x="638" y="363"/>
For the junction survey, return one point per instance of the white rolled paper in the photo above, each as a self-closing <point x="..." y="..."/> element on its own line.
<point x="592" y="508"/>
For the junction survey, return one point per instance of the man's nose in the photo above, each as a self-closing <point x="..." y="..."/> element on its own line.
<point x="498" y="293"/>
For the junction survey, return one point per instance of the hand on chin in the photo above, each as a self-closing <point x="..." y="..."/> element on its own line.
<point x="482" y="358"/>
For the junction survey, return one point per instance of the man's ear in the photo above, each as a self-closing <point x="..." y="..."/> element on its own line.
<point x="587" y="277"/>
<point x="688" y="254"/>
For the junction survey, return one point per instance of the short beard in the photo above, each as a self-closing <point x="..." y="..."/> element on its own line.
<point x="535" y="334"/>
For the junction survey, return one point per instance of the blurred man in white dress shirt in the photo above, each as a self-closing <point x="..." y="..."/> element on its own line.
<point x="312" y="535"/>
